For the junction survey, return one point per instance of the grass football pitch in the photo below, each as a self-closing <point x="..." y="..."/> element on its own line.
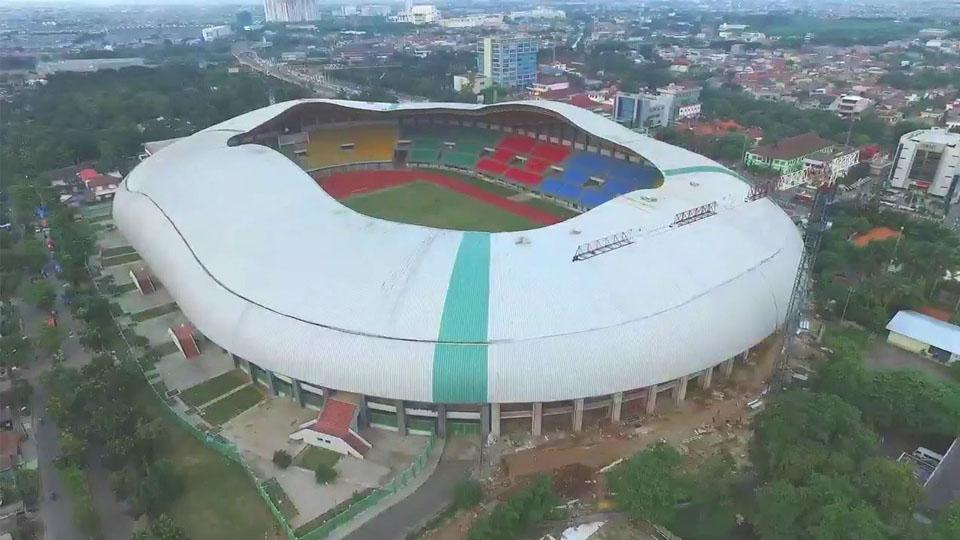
<point x="423" y="203"/>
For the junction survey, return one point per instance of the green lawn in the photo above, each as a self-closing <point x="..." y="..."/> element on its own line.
<point x="232" y="405"/>
<point x="165" y="348"/>
<point x="125" y="288"/>
<point x="279" y="497"/>
<point x="213" y="388"/>
<point x="504" y="191"/>
<point x="97" y="209"/>
<point x="219" y="501"/>
<point x="311" y="457"/>
<point x="115" y="251"/>
<point x="120" y="259"/>
<point x="154" y="312"/>
<point x="427" y="204"/>
<point x="98" y="219"/>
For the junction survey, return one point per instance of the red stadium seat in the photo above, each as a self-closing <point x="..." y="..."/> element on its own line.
<point x="523" y="177"/>
<point x="551" y="153"/>
<point x="503" y="155"/>
<point x="536" y="166"/>
<point x="491" y="166"/>
<point x="518" y="144"/>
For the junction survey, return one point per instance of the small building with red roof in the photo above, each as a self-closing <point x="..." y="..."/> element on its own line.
<point x="333" y="429"/>
<point x="87" y="174"/>
<point x="141" y="278"/>
<point x="183" y="336"/>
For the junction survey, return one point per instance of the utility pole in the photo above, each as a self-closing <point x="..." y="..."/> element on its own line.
<point x="845" y="304"/>
<point x="849" y="131"/>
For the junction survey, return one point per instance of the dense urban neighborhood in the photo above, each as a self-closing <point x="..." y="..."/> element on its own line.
<point x="308" y="269"/>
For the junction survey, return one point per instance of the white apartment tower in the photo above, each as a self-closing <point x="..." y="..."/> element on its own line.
<point x="291" y="10"/>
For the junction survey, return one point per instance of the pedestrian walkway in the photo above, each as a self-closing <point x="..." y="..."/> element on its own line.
<point x="412" y="507"/>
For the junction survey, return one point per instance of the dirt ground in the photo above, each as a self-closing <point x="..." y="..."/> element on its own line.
<point x="722" y="405"/>
<point x="882" y="355"/>
<point x="707" y="421"/>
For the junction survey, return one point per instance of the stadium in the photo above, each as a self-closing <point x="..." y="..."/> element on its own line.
<point x="524" y="265"/>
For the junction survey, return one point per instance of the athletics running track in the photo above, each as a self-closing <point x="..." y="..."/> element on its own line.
<point x="344" y="185"/>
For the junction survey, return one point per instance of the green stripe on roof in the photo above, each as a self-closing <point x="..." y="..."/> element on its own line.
<point x="700" y="168"/>
<point x="460" y="357"/>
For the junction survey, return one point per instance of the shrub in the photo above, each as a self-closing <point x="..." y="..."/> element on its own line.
<point x="467" y="494"/>
<point x="515" y="516"/>
<point x="282" y="459"/>
<point x="324" y="474"/>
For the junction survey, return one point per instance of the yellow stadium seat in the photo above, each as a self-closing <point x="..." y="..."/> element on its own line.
<point x="352" y="144"/>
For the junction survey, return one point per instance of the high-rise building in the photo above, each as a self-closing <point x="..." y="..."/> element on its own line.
<point x="291" y="10"/>
<point x="685" y="100"/>
<point x="243" y="19"/>
<point x="929" y="160"/>
<point x="644" y="111"/>
<point x="508" y="62"/>
<point x="212" y="33"/>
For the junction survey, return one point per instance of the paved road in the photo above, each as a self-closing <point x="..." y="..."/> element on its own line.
<point x="56" y="514"/>
<point x="405" y="516"/>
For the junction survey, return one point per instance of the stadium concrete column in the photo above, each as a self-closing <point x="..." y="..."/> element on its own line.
<point x="495" y="419"/>
<point x="615" y="405"/>
<point x="297" y="391"/>
<point x="271" y="382"/>
<point x="401" y="417"/>
<point x="577" y="415"/>
<point x="363" y="415"/>
<point x="680" y="389"/>
<point x="441" y="420"/>
<point x="726" y="368"/>
<point x="537" y="416"/>
<point x="485" y="414"/>
<point x="241" y="363"/>
<point x="651" y="398"/>
<point x="706" y="378"/>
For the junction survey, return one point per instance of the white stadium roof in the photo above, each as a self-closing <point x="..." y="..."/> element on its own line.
<point x="269" y="266"/>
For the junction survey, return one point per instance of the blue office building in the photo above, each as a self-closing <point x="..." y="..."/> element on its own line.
<point x="508" y="62"/>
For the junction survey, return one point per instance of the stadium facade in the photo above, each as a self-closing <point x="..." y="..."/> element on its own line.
<point x="641" y="294"/>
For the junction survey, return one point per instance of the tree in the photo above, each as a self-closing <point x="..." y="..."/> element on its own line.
<point x="41" y="294"/>
<point x="50" y="338"/>
<point x="165" y="528"/>
<point x="513" y="517"/>
<point x="947" y="525"/>
<point x="28" y="486"/>
<point x="778" y="510"/>
<point x="647" y="485"/>
<point x="15" y="350"/>
<point x="282" y="459"/>
<point x="839" y="521"/>
<point x="73" y="449"/>
<point x="20" y="393"/>
<point x="711" y="487"/>
<point x="158" y="487"/>
<point x="890" y="487"/>
<point x="803" y="432"/>
<point x="324" y="473"/>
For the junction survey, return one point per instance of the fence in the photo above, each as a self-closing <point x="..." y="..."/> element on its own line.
<point x="229" y="451"/>
<point x="396" y="484"/>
